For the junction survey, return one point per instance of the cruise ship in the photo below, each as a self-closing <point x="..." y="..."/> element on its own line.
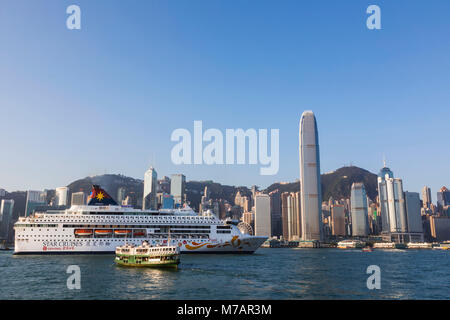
<point x="102" y="225"/>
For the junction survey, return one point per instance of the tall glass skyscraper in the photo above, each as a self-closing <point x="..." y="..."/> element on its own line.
<point x="360" y="221"/>
<point x="385" y="173"/>
<point x="426" y="197"/>
<point x="6" y="213"/>
<point x="62" y="196"/>
<point x="412" y="204"/>
<point x="310" y="188"/>
<point x="178" y="188"/>
<point x="263" y="221"/>
<point x="150" y="184"/>
<point x="443" y="199"/>
<point x="392" y="202"/>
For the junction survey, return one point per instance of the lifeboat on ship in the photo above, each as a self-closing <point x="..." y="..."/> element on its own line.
<point x="139" y="233"/>
<point x="103" y="232"/>
<point x="83" y="232"/>
<point x="122" y="232"/>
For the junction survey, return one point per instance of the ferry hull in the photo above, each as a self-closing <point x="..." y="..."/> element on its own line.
<point x="143" y="265"/>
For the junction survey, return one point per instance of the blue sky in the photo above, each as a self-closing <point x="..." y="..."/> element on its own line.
<point x="106" y="98"/>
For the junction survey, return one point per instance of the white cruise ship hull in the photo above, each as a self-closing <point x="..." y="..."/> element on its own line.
<point x="237" y="244"/>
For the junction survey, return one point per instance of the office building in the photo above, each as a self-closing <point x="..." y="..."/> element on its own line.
<point x="150" y="185"/>
<point x="284" y="215"/>
<point x="275" y="212"/>
<point x="78" y="199"/>
<point x="178" y="189"/>
<point x="426" y="197"/>
<point x="167" y="201"/>
<point x="164" y="185"/>
<point x="62" y="196"/>
<point x="34" y="199"/>
<point x="443" y="200"/>
<point x="6" y="214"/>
<point x="392" y="202"/>
<point x="294" y="216"/>
<point x="121" y="194"/>
<point x="359" y="214"/>
<point x="248" y="217"/>
<point x="262" y="218"/>
<point x="310" y="188"/>
<point x="338" y="220"/>
<point x="414" y="218"/>
<point x="440" y="228"/>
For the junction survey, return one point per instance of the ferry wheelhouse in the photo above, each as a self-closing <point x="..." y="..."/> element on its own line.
<point x="102" y="225"/>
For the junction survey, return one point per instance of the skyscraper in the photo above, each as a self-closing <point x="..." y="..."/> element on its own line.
<point x="426" y="197"/>
<point x="358" y="198"/>
<point x="34" y="199"/>
<point x="275" y="212"/>
<point x="78" y="198"/>
<point x="6" y="212"/>
<point x="178" y="188"/>
<point x="443" y="200"/>
<point x="120" y="195"/>
<point x="167" y="201"/>
<point x="62" y="196"/>
<point x="338" y="220"/>
<point x="284" y="215"/>
<point x="310" y="188"/>
<point x="400" y="211"/>
<point x="392" y="202"/>
<point x="293" y="215"/>
<point x="164" y="185"/>
<point x="414" y="218"/>
<point x="262" y="215"/>
<point x="150" y="185"/>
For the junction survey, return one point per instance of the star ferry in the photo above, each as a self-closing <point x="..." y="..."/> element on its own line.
<point x="102" y="225"/>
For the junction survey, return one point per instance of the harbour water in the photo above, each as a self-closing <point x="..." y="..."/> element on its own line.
<point x="267" y="274"/>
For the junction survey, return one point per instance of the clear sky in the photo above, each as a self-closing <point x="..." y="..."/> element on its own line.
<point x="106" y="98"/>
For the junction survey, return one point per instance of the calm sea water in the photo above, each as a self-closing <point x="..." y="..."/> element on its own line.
<point x="266" y="274"/>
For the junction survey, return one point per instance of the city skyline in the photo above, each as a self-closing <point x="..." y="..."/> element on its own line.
<point x="362" y="94"/>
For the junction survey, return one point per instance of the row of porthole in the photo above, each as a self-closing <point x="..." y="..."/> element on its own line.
<point x="85" y="220"/>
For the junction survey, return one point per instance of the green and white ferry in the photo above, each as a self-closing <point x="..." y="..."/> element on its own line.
<point x="146" y="255"/>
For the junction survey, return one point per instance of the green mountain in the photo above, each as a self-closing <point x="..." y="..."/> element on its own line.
<point x="337" y="183"/>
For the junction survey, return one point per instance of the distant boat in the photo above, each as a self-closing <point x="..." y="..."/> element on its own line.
<point x="389" y="245"/>
<point x="367" y="249"/>
<point x="350" y="244"/>
<point x="419" y="245"/>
